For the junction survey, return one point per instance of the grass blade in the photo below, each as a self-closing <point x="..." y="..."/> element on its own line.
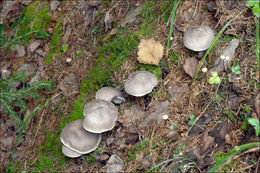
<point x="33" y="113"/>
<point x="231" y="154"/>
<point x="171" y="27"/>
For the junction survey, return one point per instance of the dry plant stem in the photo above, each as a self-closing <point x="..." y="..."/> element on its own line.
<point x="212" y="45"/>
<point x="257" y="42"/>
<point x="38" y="127"/>
<point x="202" y="113"/>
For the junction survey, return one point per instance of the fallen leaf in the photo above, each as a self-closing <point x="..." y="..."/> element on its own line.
<point x="70" y="85"/>
<point x="178" y="90"/>
<point x="131" y="16"/>
<point x="228" y="139"/>
<point x="150" y="51"/>
<point x="156" y="114"/>
<point x="200" y="124"/>
<point x="190" y="66"/>
<point x="207" y="142"/>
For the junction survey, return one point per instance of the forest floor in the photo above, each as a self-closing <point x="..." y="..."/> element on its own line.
<point x="82" y="46"/>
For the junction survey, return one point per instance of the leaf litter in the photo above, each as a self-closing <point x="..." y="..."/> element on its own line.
<point x="129" y="133"/>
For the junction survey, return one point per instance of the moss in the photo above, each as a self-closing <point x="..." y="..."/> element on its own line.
<point x="55" y="40"/>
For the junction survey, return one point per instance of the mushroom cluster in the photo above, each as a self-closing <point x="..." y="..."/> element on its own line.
<point x="83" y="136"/>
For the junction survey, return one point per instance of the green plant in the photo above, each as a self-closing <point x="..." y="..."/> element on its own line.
<point x="255" y="5"/>
<point x="214" y="79"/>
<point x="33" y="22"/>
<point x="171" y="27"/>
<point x="220" y="156"/>
<point x="24" y="123"/>
<point x="64" y="48"/>
<point x="235" y="69"/>
<point x="212" y="45"/>
<point x="255" y="123"/>
<point x="10" y="95"/>
<point x="230" y="154"/>
<point x="192" y="120"/>
<point x="255" y="9"/>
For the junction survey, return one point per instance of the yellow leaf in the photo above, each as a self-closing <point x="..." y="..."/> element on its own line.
<point x="150" y="51"/>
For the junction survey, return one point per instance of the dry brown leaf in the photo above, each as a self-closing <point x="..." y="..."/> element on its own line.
<point x="190" y="66"/>
<point x="150" y="51"/>
<point x="207" y="142"/>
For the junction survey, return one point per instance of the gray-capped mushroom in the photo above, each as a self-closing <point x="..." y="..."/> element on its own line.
<point x="76" y="138"/>
<point x="198" y="38"/>
<point x="100" y="116"/>
<point x="110" y="94"/>
<point x="69" y="153"/>
<point x="140" y="83"/>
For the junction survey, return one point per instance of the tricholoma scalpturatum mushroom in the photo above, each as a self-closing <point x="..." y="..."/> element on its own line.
<point x="198" y="38"/>
<point x="77" y="139"/>
<point x="140" y="83"/>
<point x="100" y="116"/>
<point x="110" y="94"/>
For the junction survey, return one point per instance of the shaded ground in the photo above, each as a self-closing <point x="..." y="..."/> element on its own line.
<point x="103" y="52"/>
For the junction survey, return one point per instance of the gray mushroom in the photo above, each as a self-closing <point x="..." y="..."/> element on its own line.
<point x="140" y="83"/>
<point x="198" y="38"/>
<point x="100" y="116"/>
<point x="76" y="138"/>
<point x="69" y="153"/>
<point x="110" y="94"/>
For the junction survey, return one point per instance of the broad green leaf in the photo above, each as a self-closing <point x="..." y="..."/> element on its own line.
<point x="255" y="122"/>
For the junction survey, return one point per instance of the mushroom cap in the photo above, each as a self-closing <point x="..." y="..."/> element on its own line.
<point x="69" y="153"/>
<point x="198" y="38"/>
<point x="76" y="138"/>
<point x="107" y="93"/>
<point x="100" y="116"/>
<point x="140" y="83"/>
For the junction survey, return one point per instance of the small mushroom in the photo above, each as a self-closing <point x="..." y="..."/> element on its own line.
<point x="69" y="153"/>
<point x="140" y="83"/>
<point x="198" y="38"/>
<point x="76" y="138"/>
<point x="100" y="116"/>
<point x="110" y="94"/>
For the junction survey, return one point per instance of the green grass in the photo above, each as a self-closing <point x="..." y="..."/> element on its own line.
<point x="221" y="159"/>
<point x="138" y="148"/>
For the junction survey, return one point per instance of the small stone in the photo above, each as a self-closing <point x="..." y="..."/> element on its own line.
<point x="54" y="5"/>
<point x="114" y="164"/>
<point x="34" y="45"/>
<point x="40" y="52"/>
<point x="5" y="73"/>
<point x="20" y="50"/>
